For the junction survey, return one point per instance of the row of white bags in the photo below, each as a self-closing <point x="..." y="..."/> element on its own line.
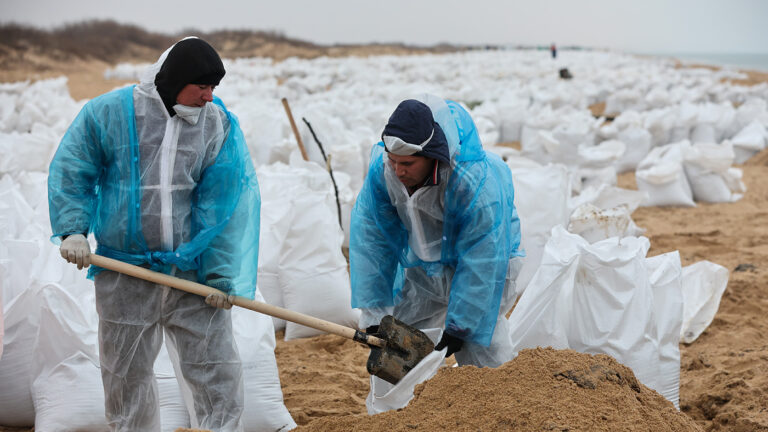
<point x="543" y="200"/>
<point x="681" y="173"/>
<point x="607" y="297"/>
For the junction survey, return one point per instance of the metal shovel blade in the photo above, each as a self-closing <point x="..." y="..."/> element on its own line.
<point x="406" y="347"/>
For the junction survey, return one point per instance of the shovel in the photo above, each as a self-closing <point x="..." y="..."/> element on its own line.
<point x="395" y="349"/>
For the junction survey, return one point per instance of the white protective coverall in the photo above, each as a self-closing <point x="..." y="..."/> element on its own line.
<point x="174" y="155"/>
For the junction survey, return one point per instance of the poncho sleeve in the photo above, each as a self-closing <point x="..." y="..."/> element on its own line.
<point x="376" y="240"/>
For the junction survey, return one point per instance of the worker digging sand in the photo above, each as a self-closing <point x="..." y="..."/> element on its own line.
<point x="142" y="169"/>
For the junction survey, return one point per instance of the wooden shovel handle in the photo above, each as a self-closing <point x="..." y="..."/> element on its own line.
<point x="295" y="129"/>
<point x="205" y="290"/>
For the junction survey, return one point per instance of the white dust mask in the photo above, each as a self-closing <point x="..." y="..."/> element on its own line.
<point x="189" y="114"/>
<point x="396" y="145"/>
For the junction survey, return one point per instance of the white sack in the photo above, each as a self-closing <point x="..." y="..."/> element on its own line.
<point x="624" y="100"/>
<point x="703" y="285"/>
<point x="595" y="224"/>
<point x="276" y="208"/>
<point x="22" y="317"/>
<point x="265" y="128"/>
<point x="538" y="144"/>
<point x="707" y="167"/>
<point x="541" y="199"/>
<point x="2" y="322"/>
<point x="661" y="175"/>
<point x="584" y="178"/>
<point x="606" y="197"/>
<point x="384" y="396"/>
<point x="658" y="123"/>
<point x="569" y="137"/>
<point x="749" y="141"/>
<point x="703" y="133"/>
<point x="665" y="184"/>
<point x="601" y="155"/>
<point x="684" y="121"/>
<point x="638" y="144"/>
<point x="313" y="271"/>
<point x="605" y="211"/>
<point x="66" y="381"/>
<point x="594" y="299"/>
<point x="487" y="130"/>
<point x="512" y="114"/>
<point x="264" y="409"/>
<point x="665" y="275"/>
<point x="339" y="141"/>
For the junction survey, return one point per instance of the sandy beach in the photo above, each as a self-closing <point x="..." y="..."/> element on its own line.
<point x="724" y="373"/>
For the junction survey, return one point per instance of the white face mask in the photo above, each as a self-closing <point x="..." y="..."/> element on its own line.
<point x="396" y="145"/>
<point x="189" y="114"/>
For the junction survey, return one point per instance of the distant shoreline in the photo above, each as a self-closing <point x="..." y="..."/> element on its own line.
<point x="751" y="61"/>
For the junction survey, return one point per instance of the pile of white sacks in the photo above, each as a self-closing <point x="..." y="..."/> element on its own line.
<point x="680" y="129"/>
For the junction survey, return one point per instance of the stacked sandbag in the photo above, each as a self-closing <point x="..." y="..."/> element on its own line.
<point x="66" y="379"/>
<point x="512" y="112"/>
<point x="709" y="172"/>
<point x="21" y="323"/>
<point x="50" y="369"/>
<point x="487" y="121"/>
<point x="264" y="409"/>
<point x="583" y="178"/>
<point x="304" y="269"/>
<point x="605" y="211"/>
<point x="662" y="177"/>
<point x="637" y="142"/>
<point x="665" y="275"/>
<point x="602" y="155"/>
<point x="541" y="199"/>
<point x="599" y="298"/>
<point x="703" y="284"/>
<point x="33" y="118"/>
<point x="748" y="142"/>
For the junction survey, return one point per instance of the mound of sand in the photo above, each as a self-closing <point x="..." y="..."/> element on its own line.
<point x="541" y="389"/>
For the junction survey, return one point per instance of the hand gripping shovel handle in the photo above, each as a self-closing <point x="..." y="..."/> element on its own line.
<point x="268" y="309"/>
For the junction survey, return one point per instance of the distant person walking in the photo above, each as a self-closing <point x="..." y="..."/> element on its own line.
<point x="553" y="50"/>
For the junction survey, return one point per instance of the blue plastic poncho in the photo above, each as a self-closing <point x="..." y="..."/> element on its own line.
<point x="96" y="183"/>
<point x="481" y="233"/>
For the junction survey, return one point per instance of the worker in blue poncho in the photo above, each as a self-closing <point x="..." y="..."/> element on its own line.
<point x="160" y="175"/>
<point x="435" y="237"/>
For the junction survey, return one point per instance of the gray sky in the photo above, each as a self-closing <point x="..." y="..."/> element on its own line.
<point x="653" y="26"/>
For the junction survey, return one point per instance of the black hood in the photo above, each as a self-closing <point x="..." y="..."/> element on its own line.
<point x="191" y="61"/>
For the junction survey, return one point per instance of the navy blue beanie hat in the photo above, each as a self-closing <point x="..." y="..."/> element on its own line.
<point x="412" y="131"/>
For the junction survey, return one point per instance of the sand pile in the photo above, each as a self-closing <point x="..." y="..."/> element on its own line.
<point x="541" y="389"/>
<point x="322" y="376"/>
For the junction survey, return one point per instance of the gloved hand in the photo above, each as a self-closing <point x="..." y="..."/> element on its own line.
<point x="453" y="343"/>
<point x="75" y="249"/>
<point x="219" y="300"/>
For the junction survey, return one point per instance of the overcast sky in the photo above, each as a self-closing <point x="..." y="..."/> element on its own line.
<point x="651" y="26"/>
